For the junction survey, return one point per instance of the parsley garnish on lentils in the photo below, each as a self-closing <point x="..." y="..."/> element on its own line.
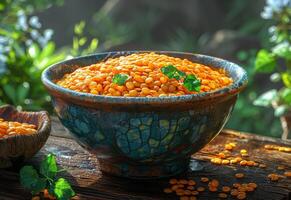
<point x="190" y="82"/>
<point x="172" y="72"/>
<point x="120" y="79"/>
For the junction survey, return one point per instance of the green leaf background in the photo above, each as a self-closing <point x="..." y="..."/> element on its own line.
<point x="265" y="62"/>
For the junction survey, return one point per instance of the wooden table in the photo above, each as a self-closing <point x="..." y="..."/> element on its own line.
<point x="89" y="183"/>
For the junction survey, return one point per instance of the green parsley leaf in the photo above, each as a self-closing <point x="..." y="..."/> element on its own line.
<point x="63" y="190"/>
<point x="192" y="83"/>
<point x="35" y="182"/>
<point x="30" y="179"/>
<point x="172" y="72"/>
<point x="120" y="79"/>
<point x="48" y="167"/>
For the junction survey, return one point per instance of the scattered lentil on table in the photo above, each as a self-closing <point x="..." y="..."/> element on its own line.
<point x="278" y="148"/>
<point x="229" y="156"/>
<point x="145" y="78"/>
<point x="239" y="175"/>
<point x="273" y="177"/>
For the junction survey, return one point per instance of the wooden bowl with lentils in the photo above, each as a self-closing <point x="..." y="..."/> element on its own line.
<point x="22" y="134"/>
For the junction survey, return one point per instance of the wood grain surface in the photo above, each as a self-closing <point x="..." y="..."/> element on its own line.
<point x="89" y="183"/>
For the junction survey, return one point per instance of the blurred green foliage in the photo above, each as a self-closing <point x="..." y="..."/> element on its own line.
<point x="25" y="51"/>
<point x="9" y="8"/>
<point x="275" y="59"/>
<point x="245" y="112"/>
<point x="81" y="44"/>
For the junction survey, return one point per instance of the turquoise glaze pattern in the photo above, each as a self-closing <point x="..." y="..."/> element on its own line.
<point x="142" y="137"/>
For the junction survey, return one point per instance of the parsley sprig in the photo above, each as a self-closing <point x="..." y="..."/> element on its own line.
<point x="190" y="81"/>
<point x="46" y="178"/>
<point x="120" y="79"/>
<point x="172" y="72"/>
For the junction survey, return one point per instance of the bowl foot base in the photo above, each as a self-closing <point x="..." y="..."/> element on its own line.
<point x="129" y="170"/>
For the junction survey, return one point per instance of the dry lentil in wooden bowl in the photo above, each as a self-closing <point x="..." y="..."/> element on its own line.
<point x="22" y="134"/>
<point x="144" y="113"/>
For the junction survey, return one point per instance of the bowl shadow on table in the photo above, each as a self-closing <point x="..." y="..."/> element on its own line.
<point x="115" y="187"/>
<point x="122" y="188"/>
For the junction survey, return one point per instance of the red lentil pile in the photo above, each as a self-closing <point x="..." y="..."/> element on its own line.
<point x="8" y="128"/>
<point x="145" y="78"/>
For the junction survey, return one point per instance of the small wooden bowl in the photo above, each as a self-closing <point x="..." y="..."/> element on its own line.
<point x="18" y="148"/>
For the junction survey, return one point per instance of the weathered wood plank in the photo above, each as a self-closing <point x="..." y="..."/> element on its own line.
<point x="84" y="173"/>
<point x="251" y="136"/>
<point x="58" y="129"/>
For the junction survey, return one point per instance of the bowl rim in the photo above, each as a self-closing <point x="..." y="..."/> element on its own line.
<point x="230" y="90"/>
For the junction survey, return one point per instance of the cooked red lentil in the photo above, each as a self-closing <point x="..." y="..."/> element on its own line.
<point x="8" y="128"/>
<point x="143" y="77"/>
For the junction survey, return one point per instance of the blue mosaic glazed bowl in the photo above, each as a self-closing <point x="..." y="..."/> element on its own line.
<point x="139" y="137"/>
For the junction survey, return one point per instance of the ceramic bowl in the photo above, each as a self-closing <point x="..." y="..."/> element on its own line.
<point x="139" y="137"/>
<point x="17" y="148"/>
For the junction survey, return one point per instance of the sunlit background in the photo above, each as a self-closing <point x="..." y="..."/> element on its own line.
<point x="35" y="34"/>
